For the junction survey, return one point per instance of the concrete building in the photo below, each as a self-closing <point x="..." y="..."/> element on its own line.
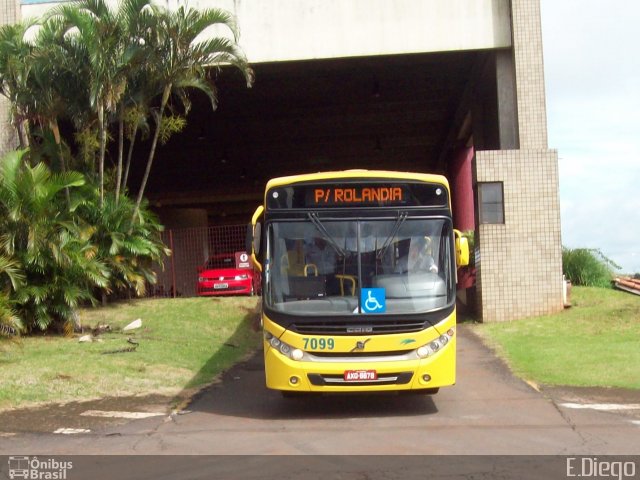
<point x="444" y="86"/>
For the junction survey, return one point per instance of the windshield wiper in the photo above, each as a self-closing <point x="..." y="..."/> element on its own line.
<point x="402" y="216"/>
<point x="327" y="236"/>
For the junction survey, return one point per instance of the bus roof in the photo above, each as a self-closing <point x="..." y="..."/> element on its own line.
<point x="347" y="174"/>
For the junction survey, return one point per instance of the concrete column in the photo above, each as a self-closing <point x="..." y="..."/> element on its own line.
<point x="529" y="68"/>
<point x="461" y="178"/>
<point x="519" y="268"/>
<point x="507" y="105"/>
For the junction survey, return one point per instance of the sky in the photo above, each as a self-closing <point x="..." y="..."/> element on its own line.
<point x="592" y="77"/>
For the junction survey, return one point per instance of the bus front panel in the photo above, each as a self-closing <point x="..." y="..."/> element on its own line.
<point x="348" y="363"/>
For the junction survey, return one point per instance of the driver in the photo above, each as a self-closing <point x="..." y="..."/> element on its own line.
<point x="322" y="255"/>
<point x="420" y="259"/>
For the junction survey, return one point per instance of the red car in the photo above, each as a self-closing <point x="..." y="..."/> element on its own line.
<point x="228" y="274"/>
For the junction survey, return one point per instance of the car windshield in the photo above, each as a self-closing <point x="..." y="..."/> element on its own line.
<point x="354" y="267"/>
<point x="221" y="262"/>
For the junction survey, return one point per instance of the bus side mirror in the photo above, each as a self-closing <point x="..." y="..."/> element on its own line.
<point x="254" y="237"/>
<point x="462" y="249"/>
<point x="257" y="232"/>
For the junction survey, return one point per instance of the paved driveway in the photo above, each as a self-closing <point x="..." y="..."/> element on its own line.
<point x="489" y="411"/>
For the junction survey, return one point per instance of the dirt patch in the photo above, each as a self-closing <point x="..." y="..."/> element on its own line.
<point x="52" y="417"/>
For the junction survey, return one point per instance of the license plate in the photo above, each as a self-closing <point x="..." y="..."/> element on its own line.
<point x="220" y="286"/>
<point x="360" y="375"/>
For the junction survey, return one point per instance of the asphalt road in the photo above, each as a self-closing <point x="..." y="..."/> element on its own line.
<point x="489" y="411"/>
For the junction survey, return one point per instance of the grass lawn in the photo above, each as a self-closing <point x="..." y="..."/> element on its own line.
<point x="183" y="344"/>
<point x="596" y="342"/>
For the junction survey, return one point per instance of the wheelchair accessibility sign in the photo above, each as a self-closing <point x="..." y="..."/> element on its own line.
<point x="373" y="300"/>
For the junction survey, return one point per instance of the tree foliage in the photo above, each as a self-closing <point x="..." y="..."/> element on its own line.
<point x="56" y="256"/>
<point x="112" y="74"/>
<point x="68" y="231"/>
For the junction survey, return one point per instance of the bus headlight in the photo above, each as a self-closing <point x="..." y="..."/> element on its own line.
<point x="424" y="351"/>
<point x="435" y="345"/>
<point x="284" y="348"/>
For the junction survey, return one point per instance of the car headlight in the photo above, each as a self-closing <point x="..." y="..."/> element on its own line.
<point x="435" y="345"/>
<point x="284" y="348"/>
<point x="244" y="276"/>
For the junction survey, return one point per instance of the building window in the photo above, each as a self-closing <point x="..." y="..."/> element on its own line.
<point x="491" y="202"/>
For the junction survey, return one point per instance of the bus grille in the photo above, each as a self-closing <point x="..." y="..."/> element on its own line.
<point x="360" y="353"/>
<point x="350" y="328"/>
<point x="318" y="379"/>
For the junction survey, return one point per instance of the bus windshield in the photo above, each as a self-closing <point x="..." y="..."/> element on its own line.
<point x="318" y="267"/>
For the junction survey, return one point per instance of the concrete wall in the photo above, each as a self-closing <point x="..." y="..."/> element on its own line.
<point x="519" y="270"/>
<point x="295" y="30"/>
<point x="279" y="30"/>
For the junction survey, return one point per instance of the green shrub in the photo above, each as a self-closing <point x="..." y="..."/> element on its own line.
<point x="128" y="249"/>
<point x="10" y="324"/>
<point x="49" y="266"/>
<point x="59" y="248"/>
<point x="587" y="267"/>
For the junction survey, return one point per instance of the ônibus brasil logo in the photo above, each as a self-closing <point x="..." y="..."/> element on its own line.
<point x="38" y="469"/>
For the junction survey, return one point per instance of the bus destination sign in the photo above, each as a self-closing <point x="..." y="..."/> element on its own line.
<point x="354" y="195"/>
<point x="337" y="196"/>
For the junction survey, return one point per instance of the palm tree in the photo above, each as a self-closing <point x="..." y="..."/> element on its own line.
<point x="129" y="251"/>
<point x="93" y="28"/>
<point x="55" y="85"/>
<point x="135" y="121"/>
<point x="15" y="53"/>
<point x="181" y="57"/>
<point x="133" y="17"/>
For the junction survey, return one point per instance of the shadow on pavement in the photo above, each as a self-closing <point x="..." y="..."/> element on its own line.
<point x="241" y="392"/>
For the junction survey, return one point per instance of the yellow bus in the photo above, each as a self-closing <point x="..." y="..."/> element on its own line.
<point x="359" y="281"/>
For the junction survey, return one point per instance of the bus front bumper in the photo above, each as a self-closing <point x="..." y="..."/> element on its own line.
<point x="377" y="374"/>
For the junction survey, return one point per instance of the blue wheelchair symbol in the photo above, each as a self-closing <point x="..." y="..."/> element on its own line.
<point x="373" y="300"/>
